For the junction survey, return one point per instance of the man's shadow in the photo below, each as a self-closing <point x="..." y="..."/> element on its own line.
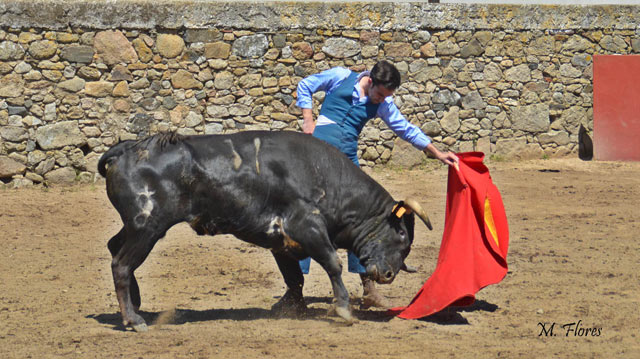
<point x="448" y="316"/>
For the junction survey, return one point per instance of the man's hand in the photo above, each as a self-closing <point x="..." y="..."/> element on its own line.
<point x="448" y="158"/>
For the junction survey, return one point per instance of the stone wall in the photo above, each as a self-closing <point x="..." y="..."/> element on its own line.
<point x="76" y="77"/>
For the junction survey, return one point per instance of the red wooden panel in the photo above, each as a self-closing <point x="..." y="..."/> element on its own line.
<point x="616" y="107"/>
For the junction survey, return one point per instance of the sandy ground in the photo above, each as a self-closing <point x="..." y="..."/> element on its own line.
<point x="573" y="258"/>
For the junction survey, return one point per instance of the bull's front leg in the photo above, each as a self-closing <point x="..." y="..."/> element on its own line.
<point x="333" y="267"/>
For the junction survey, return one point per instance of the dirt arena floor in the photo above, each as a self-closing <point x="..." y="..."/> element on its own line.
<point x="574" y="257"/>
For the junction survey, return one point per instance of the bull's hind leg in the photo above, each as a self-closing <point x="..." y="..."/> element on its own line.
<point x="135" y="246"/>
<point x="114" y="245"/>
<point x="292" y="301"/>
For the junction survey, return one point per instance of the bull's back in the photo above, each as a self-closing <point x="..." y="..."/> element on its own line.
<point x="241" y="180"/>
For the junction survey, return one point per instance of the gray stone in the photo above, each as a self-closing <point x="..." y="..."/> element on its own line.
<point x="17" y="110"/>
<point x="370" y="133"/>
<point x="10" y="51"/>
<point x="473" y="100"/>
<point x="518" y="148"/>
<point x="22" y="68"/>
<point x="120" y="73"/>
<point x="223" y="80"/>
<point x="62" y="176"/>
<point x="533" y="118"/>
<point x="567" y="70"/>
<point x="250" y="80"/>
<point x="45" y="166"/>
<point x="541" y="46"/>
<point x="431" y="128"/>
<point x="41" y="50"/>
<point x="202" y="35"/>
<point x="50" y="112"/>
<point x="404" y="155"/>
<point x="169" y="103"/>
<point x="113" y="47"/>
<point x="169" y="45"/>
<point x="492" y="72"/>
<point x="341" y="47"/>
<point x="615" y="44"/>
<point x="577" y="43"/>
<point x="140" y="124"/>
<point x="239" y="110"/>
<point x="445" y="97"/>
<point x="11" y="86"/>
<point x="250" y="46"/>
<point x="370" y="154"/>
<point x="217" y="112"/>
<point x="91" y="161"/>
<point x="76" y="84"/>
<point x="483" y="145"/>
<point x="279" y="41"/>
<point x="193" y="119"/>
<point x="14" y="133"/>
<point x="60" y="134"/>
<point x="582" y="60"/>
<point x="451" y="120"/>
<point x="520" y="73"/>
<point x="559" y="138"/>
<point x="9" y="167"/>
<point x="473" y="48"/>
<point x="89" y="73"/>
<point x="213" y="128"/>
<point x="140" y="84"/>
<point x="185" y="80"/>
<point x="447" y="47"/>
<point x="77" y="54"/>
<point x="635" y="45"/>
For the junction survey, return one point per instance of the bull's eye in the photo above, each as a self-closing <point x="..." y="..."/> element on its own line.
<point x="401" y="233"/>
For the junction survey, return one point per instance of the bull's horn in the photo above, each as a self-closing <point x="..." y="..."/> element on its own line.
<point x="417" y="209"/>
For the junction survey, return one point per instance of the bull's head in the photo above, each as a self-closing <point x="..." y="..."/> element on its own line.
<point x="384" y="254"/>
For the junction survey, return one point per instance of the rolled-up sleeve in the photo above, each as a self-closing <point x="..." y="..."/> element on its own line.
<point x="390" y="114"/>
<point x="326" y="80"/>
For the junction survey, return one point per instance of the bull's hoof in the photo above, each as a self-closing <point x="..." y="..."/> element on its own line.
<point x="374" y="300"/>
<point x="140" y="328"/>
<point x="290" y="305"/>
<point x="344" y="313"/>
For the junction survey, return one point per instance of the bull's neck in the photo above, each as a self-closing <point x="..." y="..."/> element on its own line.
<point x="363" y="216"/>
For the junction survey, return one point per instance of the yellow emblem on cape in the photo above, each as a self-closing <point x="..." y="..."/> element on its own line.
<point x="488" y="219"/>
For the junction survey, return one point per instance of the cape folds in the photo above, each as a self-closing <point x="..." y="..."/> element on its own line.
<point x="473" y="252"/>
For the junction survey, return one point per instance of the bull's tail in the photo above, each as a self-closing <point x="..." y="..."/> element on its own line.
<point x="113" y="153"/>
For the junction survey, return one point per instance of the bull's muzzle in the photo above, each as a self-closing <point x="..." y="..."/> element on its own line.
<point x="383" y="277"/>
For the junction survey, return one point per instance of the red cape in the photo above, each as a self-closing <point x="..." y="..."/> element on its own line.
<point x="473" y="253"/>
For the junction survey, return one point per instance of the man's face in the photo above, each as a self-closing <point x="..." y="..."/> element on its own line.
<point x="378" y="93"/>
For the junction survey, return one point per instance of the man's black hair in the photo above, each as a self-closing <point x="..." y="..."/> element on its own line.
<point x="385" y="74"/>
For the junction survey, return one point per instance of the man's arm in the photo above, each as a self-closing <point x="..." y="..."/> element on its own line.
<point x="308" y="123"/>
<point x="391" y="115"/>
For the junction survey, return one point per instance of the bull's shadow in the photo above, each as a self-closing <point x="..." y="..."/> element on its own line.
<point x="448" y="316"/>
<point x="451" y="315"/>
<point x="183" y="316"/>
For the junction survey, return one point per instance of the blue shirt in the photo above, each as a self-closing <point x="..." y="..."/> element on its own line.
<point x="331" y="79"/>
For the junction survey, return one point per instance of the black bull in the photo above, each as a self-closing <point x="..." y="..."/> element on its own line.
<point x="284" y="191"/>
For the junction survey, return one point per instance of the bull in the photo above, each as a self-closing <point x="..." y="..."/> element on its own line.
<point x="284" y="191"/>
